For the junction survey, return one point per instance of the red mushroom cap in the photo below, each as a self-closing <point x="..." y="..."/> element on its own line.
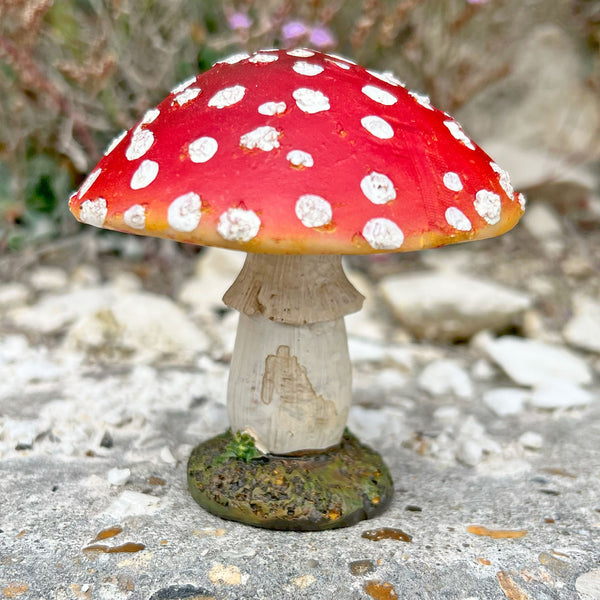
<point x="290" y="152"/>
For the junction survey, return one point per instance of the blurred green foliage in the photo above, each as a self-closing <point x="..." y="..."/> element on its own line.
<point x="73" y="73"/>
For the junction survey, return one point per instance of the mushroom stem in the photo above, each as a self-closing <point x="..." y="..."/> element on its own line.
<point x="290" y="382"/>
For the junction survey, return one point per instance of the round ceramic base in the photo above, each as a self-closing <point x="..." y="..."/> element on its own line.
<point x="310" y="492"/>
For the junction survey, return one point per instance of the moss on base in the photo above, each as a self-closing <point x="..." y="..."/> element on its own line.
<point x="310" y="492"/>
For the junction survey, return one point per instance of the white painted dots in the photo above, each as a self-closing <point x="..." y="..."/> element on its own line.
<point x="504" y="180"/>
<point x="238" y="225"/>
<point x="305" y="68"/>
<point x="186" y="96"/>
<point x="233" y="59"/>
<point x="378" y="95"/>
<point x="488" y="206"/>
<point x="378" y="188"/>
<point x="378" y="127"/>
<point x="300" y="53"/>
<point x="311" y="101"/>
<point x="383" y="234"/>
<point x="183" y="85"/>
<point x="264" y="138"/>
<point x="457" y="219"/>
<point x="203" y="149"/>
<point x="135" y="217"/>
<point x="422" y="99"/>
<point x="184" y="212"/>
<point x="299" y="158"/>
<point x="272" y="108"/>
<point x="93" y="212"/>
<point x="452" y="181"/>
<point x="140" y="143"/>
<point x="313" y="210"/>
<point x="457" y="132"/>
<point x="261" y="58"/>
<point x="144" y="175"/>
<point x="89" y="182"/>
<point x="228" y="96"/>
<point x="115" y="142"/>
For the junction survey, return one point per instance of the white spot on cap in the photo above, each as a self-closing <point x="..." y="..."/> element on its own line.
<point x="233" y="59"/>
<point x="183" y="85"/>
<point x="135" y="217"/>
<point x="301" y="53"/>
<point x="378" y="188"/>
<point x="184" y="212"/>
<point x="186" y="96"/>
<point x="378" y="127"/>
<point x="522" y="200"/>
<point x="457" y="219"/>
<point x="264" y="138"/>
<point x="115" y="142"/>
<point x="422" y="99"/>
<point x="488" y="206"/>
<point x="383" y="234"/>
<point x="263" y="58"/>
<point x="87" y="184"/>
<point x="504" y="180"/>
<point x="379" y="95"/>
<point x="202" y="149"/>
<point x="145" y="174"/>
<point x="311" y="101"/>
<point x="299" y="158"/>
<point x="457" y="132"/>
<point x="93" y="212"/>
<point x="150" y="116"/>
<point x="140" y="143"/>
<point x="238" y="225"/>
<point x="388" y="77"/>
<point x="228" y="96"/>
<point x="303" y="68"/>
<point x="340" y="64"/>
<point x="452" y="181"/>
<point x="272" y="108"/>
<point x="313" y="210"/>
<point x="341" y="58"/>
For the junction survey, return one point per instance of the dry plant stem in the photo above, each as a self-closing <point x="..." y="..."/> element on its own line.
<point x="290" y="382"/>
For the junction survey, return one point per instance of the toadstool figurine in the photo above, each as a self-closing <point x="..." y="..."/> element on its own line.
<point x="295" y="157"/>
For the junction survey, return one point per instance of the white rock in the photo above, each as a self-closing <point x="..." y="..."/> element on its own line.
<point x="19" y="431"/>
<point x="589" y="584"/>
<point x="483" y="370"/>
<point x="531" y="440"/>
<point x="216" y="270"/>
<point x="469" y="452"/>
<point x="138" y="326"/>
<point x="506" y="401"/>
<point x="543" y="224"/>
<point x="13" y="348"/>
<point x="447" y="414"/>
<point x="167" y="456"/>
<point x="448" y="305"/>
<point x="118" y="476"/>
<point x="13" y="294"/>
<point x="559" y="393"/>
<point x="48" y="279"/>
<point x="583" y="330"/>
<point x="130" y="504"/>
<point x="531" y="363"/>
<point x="377" y="424"/>
<point x="443" y="377"/>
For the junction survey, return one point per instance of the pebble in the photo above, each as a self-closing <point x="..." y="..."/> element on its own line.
<point x="436" y="306"/>
<point x="583" y="330"/>
<point x="445" y="376"/>
<point x="506" y="401"/>
<point x="531" y="362"/>
<point x="531" y="440"/>
<point x="542" y="222"/>
<point x="589" y="584"/>
<point x="13" y="294"/>
<point x="139" y="327"/>
<point x="118" y="476"/>
<point x="48" y="279"/>
<point x="555" y="394"/>
<point x="129" y="504"/>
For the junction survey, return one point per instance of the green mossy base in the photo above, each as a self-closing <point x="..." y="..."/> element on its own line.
<point x="310" y="492"/>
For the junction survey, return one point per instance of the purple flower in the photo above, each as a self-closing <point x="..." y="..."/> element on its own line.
<point x="239" y="20"/>
<point x="322" y="37"/>
<point x="293" y="30"/>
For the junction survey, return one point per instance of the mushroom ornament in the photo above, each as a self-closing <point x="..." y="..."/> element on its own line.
<point x="295" y="157"/>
